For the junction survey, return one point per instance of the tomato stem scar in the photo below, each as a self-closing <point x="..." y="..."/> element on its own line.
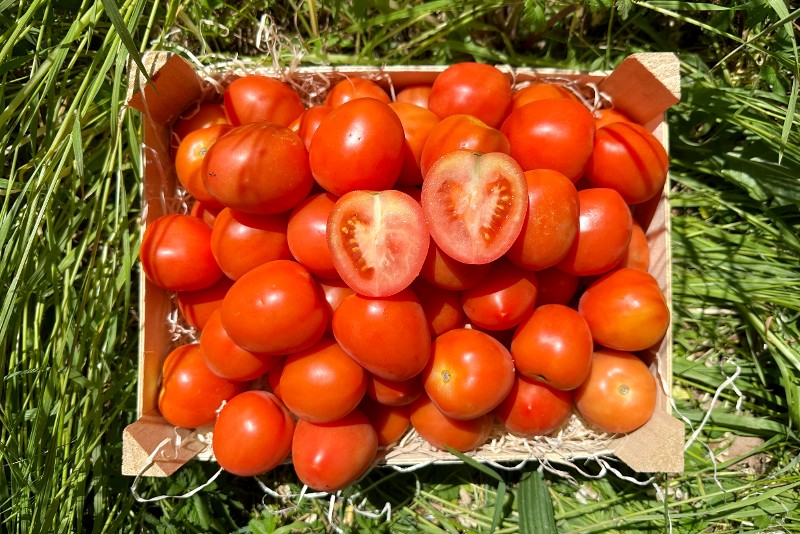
<point x="445" y="376"/>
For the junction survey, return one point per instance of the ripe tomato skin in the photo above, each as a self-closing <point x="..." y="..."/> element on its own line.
<point x="207" y="214"/>
<point x="469" y="373"/>
<point x="605" y="226"/>
<point x="551" y="222"/>
<point x="274" y="378"/>
<point x="503" y="299"/>
<point x="625" y="310"/>
<point x="475" y="204"/>
<point x="307" y="234"/>
<point x="539" y="91"/>
<point x="358" y="146"/>
<point x="378" y="241"/>
<point x="474" y="89"/>
<point x="190" y="393"/>
<point x="620" y="393"/>
<point x="176" y="254"/>
<point x="419" y="95"/>
<point x="534" y="408"/>
<point x="259" y="98"/>
<point x="555" y="286"/>
<point x="199" y="116"/>
<point x="440" y="430"/>
<point x="460" y="132"/>
<point x="259" y="168"/>
<point x="306" y="124"/>
<point x="276" y="308"/>
<point x="555" y="134"/>
<point x="353" y="88"/>
<point x="196" y="307"/>
<point x="417" y="125"/>
<point x="607" y="116"/>
<point x="253" y="434"/>
<point x="630" y="160"/>
<point x="242" y="241"/>
<point x="390" y="422"/>
<point x="331" y="456"/>
<point x="444" y="272"/>
<point x="637" y="255"/>
<point x="553" y="345"/>
<point x="393" y="393"/>
<point x="388" y="336"/>
<point x="189" y="161"/>
<point x="228" y="360"/>
<point x="322" y="383"/>
<point x="442" y="307"/>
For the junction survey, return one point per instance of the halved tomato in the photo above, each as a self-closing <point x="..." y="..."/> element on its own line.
<point x="378" y="241"/>
<point x="475" y="204"/>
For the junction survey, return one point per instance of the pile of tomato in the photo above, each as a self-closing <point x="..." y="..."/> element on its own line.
<point x="463" y="255"/>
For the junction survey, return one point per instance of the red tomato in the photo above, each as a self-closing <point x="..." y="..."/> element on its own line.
<point x="468" y="373"/>
<point x="390" y="422"/>
<point x="335" y="292"/>
<point x="197" y="117"/>
<point x="259" y="98"/>
<point x="331" y="456"/>
<point x="196" y="307"/>
<point x="207" y="214"/>
<point x="393" y="393"/>
<point x="353" y="88"/>
<point x="176" y="254"/>
<point x="475" y="204"/>
<point x="630" y="160"/>
<point x="460" y="132"/>
<point x="603" y="235"/>
<point x="388" y="336"/>
<point x="242" y="241"/>
<point x="551" y="134"/>
<point x="322" y="383"/>
<point x="501" y="300"/>
<point x="607" y="116"/>
<point x="274" y="378"/>
<point x="555" y="286"/>
<point x="306" y="124"/>
<point x="551" y="222"/>
<point x="442" y="307"/>
<point x="637" y="255"/>
<point x="533" y="408"/>
<point x="540" y="91"/>
<point x="415" y="94"/>
<point x="378" y="241"/>
<point x="440" y="430"/>
<point x="443" y="271"/>
<point x="253" y="434"/>
<point x="277" y="308"/>
<point x="189" y="162"/>
<point x="553" y="345"/>
<point x="620" y="393"/>
<point x="228" y="360"/>
<point x="259" y="168"/>
<point x="190" y="393"/>
<point x="417" y="125"/>
<point x="358" y="146"/>
<point x="307" y="236"/>
<point x="472" y="89"/>
<point x="625" y="310"/>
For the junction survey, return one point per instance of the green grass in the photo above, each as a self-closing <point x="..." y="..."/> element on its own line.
<point x="69" y="206"/>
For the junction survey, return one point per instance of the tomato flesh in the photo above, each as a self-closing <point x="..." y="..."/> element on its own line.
<point x="475" y="204"/>
<point x="378" y="241"/>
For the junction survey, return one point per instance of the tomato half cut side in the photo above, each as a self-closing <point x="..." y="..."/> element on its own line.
<point x="378" y="241"/>
<point x="475" y="204"/>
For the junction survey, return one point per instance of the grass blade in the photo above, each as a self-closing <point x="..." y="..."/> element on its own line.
<point x="535" y="504"/>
